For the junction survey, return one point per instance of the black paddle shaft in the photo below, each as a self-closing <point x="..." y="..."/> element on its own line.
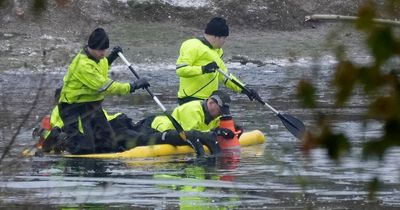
<point x="176" y="125"/>
<point x="294" y="125"/>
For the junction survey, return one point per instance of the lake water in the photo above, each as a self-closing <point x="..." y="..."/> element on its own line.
<point x="274" y="175"/>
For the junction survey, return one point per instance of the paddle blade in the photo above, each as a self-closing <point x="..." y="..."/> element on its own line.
<point x="294" y="125"/>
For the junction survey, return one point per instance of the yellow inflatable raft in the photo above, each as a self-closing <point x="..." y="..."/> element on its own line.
<point x="246" y="139"/>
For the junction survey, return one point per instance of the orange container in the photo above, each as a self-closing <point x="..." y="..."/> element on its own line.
<point x="228" y="143"/>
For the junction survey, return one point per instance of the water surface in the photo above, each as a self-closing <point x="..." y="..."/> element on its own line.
<point x="274" y="175"/>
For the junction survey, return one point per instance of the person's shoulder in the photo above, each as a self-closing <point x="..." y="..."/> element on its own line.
<point x="220" y="51"/>
<point x="83" y="65"/>
<point x="194" y="44"/>
<point x="104" y="61"/>
<point x="191" y="104"/>
<point x="85" y="60"/>
<point x="192" y="41"/>
<point x="82" y="58"/>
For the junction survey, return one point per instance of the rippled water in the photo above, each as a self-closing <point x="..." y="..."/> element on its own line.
<point x="273" y="175"/>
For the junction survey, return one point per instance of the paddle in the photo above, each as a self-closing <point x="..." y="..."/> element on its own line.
<point x="176" y="125"/>
<point x="294" y="125"/>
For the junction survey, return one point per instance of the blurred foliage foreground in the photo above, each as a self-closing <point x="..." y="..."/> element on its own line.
<point x="376" y="80"/>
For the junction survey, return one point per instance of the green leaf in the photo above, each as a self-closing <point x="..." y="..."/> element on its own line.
<point x="3" y="3"/>
<point x="392" y="132"/>
<point x="370" y="78"/>
<point x="373" y="187"/>
<point x="345" y="78"/>
<point x="374" y="149"/>
<point x="336" y="144"/>
<point x="306" y="93"/>
<point x="366" y="14"/>
<point x="39" y="6"/>
<point x="384" y="107"/>
<point x="391" y="137"/>
<point x="382" y="44"/>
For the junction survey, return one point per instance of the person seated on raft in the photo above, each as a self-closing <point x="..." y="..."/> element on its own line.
<point x="53" y="139"/>
<point x="199" y="119"/>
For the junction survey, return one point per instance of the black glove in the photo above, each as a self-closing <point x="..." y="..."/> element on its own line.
<point x="251" y="93"/>
<point x="206" y="138"/>
<point x="197" y="146"/>
<point x="140" y="83"/>
<point x="55" y="141"/>
<point x="172" y="137"/>
<point x="211" y="142"/>
<point x="209" y="68"/>
<point x="224" y="133"/>
<point x="51" y="140"/>
<point x="61" y="139"/>
<point x="114" y="54"/>
<point x="116" y="50"/>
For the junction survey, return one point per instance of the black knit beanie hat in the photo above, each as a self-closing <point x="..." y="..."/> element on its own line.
<point x="217" y="27"/>
<point x="98" y="40"/>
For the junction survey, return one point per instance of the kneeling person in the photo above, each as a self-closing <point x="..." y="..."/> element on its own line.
<point x="53" y="139"/>
<point x="86" y="84"/>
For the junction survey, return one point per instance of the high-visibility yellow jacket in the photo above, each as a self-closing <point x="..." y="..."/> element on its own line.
<point x="87" y="80"/>
<point x="191" y="116"/>
<point x="193" y="54"/>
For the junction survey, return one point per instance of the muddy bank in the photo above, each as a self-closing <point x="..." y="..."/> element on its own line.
<point x="48" y="35"/>
<point x="255" y="14"/>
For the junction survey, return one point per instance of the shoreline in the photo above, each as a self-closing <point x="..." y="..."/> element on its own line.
<point x="50" y="50"/>
<point x="260" y="30"/>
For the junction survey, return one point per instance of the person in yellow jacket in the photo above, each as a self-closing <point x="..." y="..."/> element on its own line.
<point x="200" y="119"/>
<point x="52" y="137"/>
<point x="86" y="83"/>
<point x="198" y="60"/>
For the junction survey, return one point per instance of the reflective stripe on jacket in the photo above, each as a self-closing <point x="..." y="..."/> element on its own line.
<point x="193" y="54"/>
<point x="87" y="80"/>
<point x="190" y="116"/>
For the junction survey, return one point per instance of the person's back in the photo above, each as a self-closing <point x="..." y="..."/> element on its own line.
<point x="191" y="116"/>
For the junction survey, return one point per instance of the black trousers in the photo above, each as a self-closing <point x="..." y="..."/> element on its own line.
<point x="129" y="135"/>
<point x="97" y="136"/>
<point x="141" y="134"/>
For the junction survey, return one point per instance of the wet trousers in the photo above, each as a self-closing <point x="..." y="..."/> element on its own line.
<point x="97" y="136"/>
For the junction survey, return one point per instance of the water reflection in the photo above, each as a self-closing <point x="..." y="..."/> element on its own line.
<point x="167" y="182"/>
<point x="195" y="195"/>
